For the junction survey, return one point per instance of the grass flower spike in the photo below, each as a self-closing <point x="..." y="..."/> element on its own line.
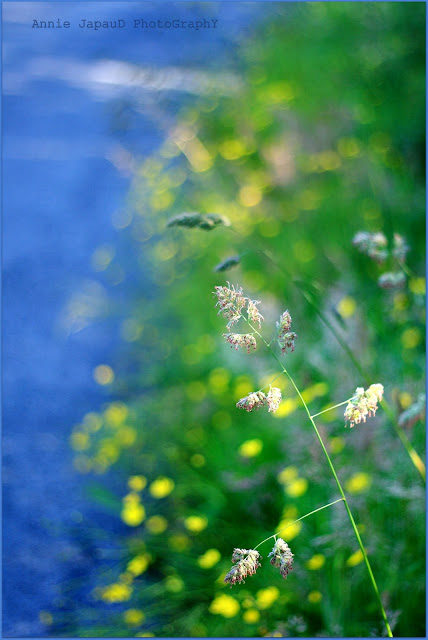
<point x="227" y="263"/>
<point x="285" y="337"/>
<point x="253" y="313"/>
<point x="274" y="399"/>
<point x="247" y="563"/>
<point x="281" y="557"/>
<point x="245" y="340"/>
<point x="363" y="404"/>
<point x="255" y="400"/>
<point x="392" y="280"/>
<point x="231" y="302"/>
<point x="207" y="221"/>
<point x="373" y="245"/>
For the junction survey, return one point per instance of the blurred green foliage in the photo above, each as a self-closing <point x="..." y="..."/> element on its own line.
<point x="322" y="137"/>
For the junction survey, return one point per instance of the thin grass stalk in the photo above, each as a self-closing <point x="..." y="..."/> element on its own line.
<point x="339" y="486"/>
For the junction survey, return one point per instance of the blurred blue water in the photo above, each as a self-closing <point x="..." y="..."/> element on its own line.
<point x="69" y="125"/>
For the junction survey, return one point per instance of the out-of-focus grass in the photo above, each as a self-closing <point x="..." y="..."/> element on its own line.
<point x="325" y="139"/>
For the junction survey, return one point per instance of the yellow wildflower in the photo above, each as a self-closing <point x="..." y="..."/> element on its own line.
<point x="157" y="524"/>
<point x="266" y="597"/>
<point x="209" y="558"/>
<point x="195" y="524"/>
<point x="133" y="617"/>
<point x="355" y="558"/>
<point x="251" y="616"/>
<point x="251" y="448"/>
<point x="138" y="564"/>
<point x="315" y="597"/>
<point x="359" y="482"/>
<point x="161" y="487"/>
<point x="225" y="606"/>
<point x="316" y="562"/>
<point x="137" y="483"/>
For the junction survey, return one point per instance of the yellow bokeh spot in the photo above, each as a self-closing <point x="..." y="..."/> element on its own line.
<point x="225" y="606"/>
<point x="145" y="634"/>
<point x="314" y="597"/>
<point x="138" y="564"/>
<point x="405" y="400"/>
<point x="289" y="529"/>
<point x="410" y="338"/>
<point x="196" y="391"/>
<point x="270" y="228"/>
<point x="401" y="301"/>
<point x="251" y="616"/>
<point x="348" y="147"/>
<point x="45" y="618"/>
<point x="209" y="559"/>
<point x="197" y="460"/>
<point x="297" y="487"/>
<point x="137" y="483"/>
<point x="308" y="200"/>
<point x="337" y="444"/>
<point x="355" y="558"/>
<point x="162" y="200"/>
<point x="417" y="286"/>
<point x="133" y="617"/>
<point x="108" y="451"/>
<point x="195" y="524"/>
<point x="346" y="307"/>
<point x="316" y="562"/>
<point x="132" y="497"/>
<point x="126" y="436"/>
<point x="103" y="374"/>
<point x="359" y="482"/>
<point x="250" y="195"/>
<point x="232" y="149"/>
<point x="329" y="160"/>
<point x="266" y="597"/>
<point x="290" y="512"/>
<point x="133" y="514"/>
<point x="219" y="380"/>
<point x="79" y="440"/>
<point x="131" y="329"/>
<point x="179" y="542"/>
<point x="286" y="407"/>
<point x="174" y="584"/>
<point x="116" y="414"/>
<point x="82" y="464"/>
<point x="304" y="251"/>
<point x="161" y="487"/>
<point x="251" y="448"/>
<point x="92" y="421"/>
<point x="116" y="592"/>
<point x="157" y="524"/>
<point x="243" y="386"/>
<point x="102" y="257"/>
<point x="287" y="475"/>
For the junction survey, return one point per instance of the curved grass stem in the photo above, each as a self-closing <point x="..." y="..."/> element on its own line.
<point x="339" y="486"/>
<point x="330" y="504"/>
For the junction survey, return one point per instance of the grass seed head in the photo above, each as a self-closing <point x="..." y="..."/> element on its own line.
<point x="247" y="563"/>
<point x="281" y="557"/>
